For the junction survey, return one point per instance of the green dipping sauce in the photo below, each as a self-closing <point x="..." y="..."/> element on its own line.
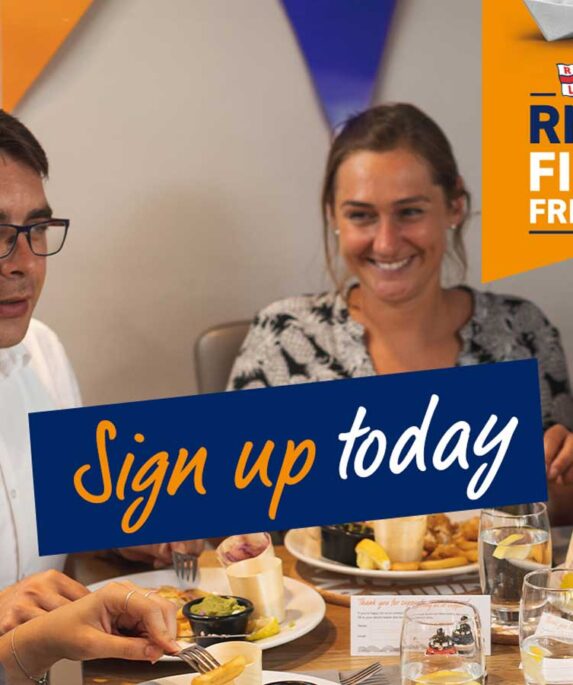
<point x="215" y="605"/>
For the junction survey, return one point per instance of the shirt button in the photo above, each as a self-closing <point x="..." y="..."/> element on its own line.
<point x="13" y="494"/>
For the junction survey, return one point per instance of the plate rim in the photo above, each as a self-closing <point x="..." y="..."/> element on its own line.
<point x="343" y="569"/>
<point x="282" y="638"/>
<point x="282" y="675"/>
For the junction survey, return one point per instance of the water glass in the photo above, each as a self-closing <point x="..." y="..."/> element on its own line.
<point x="441" y="642"/>
<point x="546" y="627"/>
<point x="513" y="541"/>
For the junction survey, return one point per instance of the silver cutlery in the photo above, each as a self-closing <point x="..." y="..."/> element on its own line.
<point x="198" y="658"/>
<point x="359" y="676"/>
<point x="185" y="566"/>
<point x="223" y="636"/>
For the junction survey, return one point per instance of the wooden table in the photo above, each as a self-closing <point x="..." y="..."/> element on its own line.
<point x="326" y="647"/>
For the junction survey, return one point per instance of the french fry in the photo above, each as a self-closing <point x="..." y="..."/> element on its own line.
<point x="224" y="674"/>
<point x="405" y="566"/>
<point x="464" y="544"/>
<point x="472" y="555"/>
<point x="436" y="564"/>
<point x="446" y="552"/>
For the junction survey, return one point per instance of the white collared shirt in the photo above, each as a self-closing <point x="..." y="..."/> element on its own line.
<point x="34" y="376"/>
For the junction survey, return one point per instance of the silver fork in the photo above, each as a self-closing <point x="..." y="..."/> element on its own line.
<point x="198" y="658"/>
<point x="185" y="566"/>
<point x="359" y="676"/>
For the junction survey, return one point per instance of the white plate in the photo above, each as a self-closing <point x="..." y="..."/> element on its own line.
<point x="304" y="544"/>
<point x="268" y="677"/>
<point x="304" y="606"/>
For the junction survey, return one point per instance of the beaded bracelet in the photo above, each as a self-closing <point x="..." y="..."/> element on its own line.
<point x="42" y="680"/>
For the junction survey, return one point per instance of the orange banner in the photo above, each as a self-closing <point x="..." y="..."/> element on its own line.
<point x="32" y="32"/>
<point x="527" y="136"/>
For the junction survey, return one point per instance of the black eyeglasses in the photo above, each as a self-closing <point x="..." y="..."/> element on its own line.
<point x="44" y="238"/>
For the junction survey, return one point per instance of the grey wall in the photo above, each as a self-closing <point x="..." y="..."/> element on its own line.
<point x="187" y="147"/>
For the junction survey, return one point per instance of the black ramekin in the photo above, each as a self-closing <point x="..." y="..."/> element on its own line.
<point x="339" y="544"/>
<point x="231" y="625"/>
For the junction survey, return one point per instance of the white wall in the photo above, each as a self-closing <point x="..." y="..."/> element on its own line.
<point x="187" y="146"/>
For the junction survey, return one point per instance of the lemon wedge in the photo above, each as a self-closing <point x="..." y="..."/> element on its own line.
<point x="452" y="677"/>
<point x="506" y="549"/>
<point x="370" y="555"/>
<point x="537" y="653"/>
<point x="263" y="627"/>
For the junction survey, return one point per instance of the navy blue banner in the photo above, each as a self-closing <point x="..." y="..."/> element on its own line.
<point x="302" y="455"/>
<point x="342" y="42"/>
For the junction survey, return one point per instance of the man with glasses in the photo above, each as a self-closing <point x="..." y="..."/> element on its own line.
<point x="35" y="374"/>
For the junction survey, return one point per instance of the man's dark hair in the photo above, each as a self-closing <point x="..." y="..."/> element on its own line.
<point x="17" y="142"/>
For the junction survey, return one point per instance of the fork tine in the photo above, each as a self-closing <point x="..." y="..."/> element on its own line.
<point x="371" y="674"/>
<point x="203" y="657"/>
<point x="202" y="663"/>
<point x="185" y="566"/>
<point x="376" y="669"/>
<point x="206" y="659"/>
<point x="178" y="567"/>
<point x="368" y="672"/>
<point x="361" y="675"/>
<point x="190" y="661"/>
<point x="190" y="658"/>
<point x="206" y="654"/>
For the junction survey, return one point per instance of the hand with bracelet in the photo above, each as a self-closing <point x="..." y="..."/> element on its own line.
<point x="119" y="621"/>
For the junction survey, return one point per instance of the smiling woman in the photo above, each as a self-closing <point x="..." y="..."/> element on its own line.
<point x="393" y="200"/>
<point x="390" y="218"/>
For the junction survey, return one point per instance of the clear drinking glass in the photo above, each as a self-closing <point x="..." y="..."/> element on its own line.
<point x="512" y="542"/>
<point x="546" y="627"/>
<point x="441" y="642"/>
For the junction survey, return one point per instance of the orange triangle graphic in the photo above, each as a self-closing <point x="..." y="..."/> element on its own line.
<point x="32" y="32"/>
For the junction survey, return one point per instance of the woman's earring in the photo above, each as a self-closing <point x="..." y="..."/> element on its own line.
<point x="453" y="227"/>
<point x="336" y="232"/>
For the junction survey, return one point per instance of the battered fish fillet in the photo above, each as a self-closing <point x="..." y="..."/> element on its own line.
<point x="469" y="529"/>
<point x="441" y="527"/>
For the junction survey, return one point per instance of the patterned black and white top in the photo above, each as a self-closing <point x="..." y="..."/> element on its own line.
<point x="314" y="338"/>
